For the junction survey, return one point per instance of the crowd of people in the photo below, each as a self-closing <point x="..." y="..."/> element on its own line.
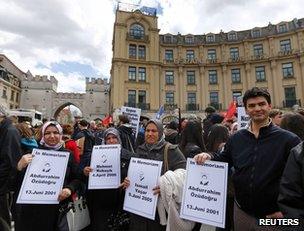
<point x="266" y="172"/>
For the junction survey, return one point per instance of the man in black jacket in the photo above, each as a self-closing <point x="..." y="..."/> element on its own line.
<point x="126" y="133"/>
<point x="258" y="155"/>
<point x="9" y="155"/>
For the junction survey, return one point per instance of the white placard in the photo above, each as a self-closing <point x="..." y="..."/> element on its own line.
<point x="44" y="177"/>
<point x="105" y="162"/>
<point x="243" y="118"/>
<point x="144" y="175"/>
<point x="134" y="117"/>
<point x="204" y="194"/>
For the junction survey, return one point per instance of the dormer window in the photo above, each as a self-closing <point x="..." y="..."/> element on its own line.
<point x="137" y="31"/>
<point x="168" y="39"/>
<point x="282" y="28"/>
<point x="232" y="36"/>
<point x="189" y="40"/>
<point x="256" y="33"/>
<point x="210" y="38"/>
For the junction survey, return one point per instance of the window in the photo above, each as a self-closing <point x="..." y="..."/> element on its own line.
<point x="141" y="52"/>
<point x="169" y="77"/>
<point x="210" y="38"/>
<point x="17" y="96"/>
<point x="235" y="75"/>
<point x="256" y="33"/>
<point x="211" y="54"/>
<point x="258" y="49"/>
<point x="260" y="74"/>
<point x="287" y="69"/>
<point x="132" y="51"/>
<point x="234" y="52"/>
<point x="232" y="36"/>
<point x="290" y="96"/>
<point x="214" y="97"/>
<point x="236" y="95"/>
<point x="132" y="73"/>
<point x="212" y="77"/>
<point x="169" y="97"/>
<point x="132" y="98"/>
<point x="282" y="28"/>
<point x="4" y="95"/>
<point x="190" y="77"/>
<point x="191" y="98"/>
<point x="142" y="74"/>
<point x="169" y="55"/>
<point x="12" y="95"/>
<point x="285" y="45"/>
<point x="137" y="31"/>
<point x="189" y="40"/>
<point x="141" y="96"/>
<point x="190" y="54"/>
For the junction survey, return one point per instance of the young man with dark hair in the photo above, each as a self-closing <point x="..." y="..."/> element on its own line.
<point x="126" y="133"/>
<point x="258" y="155"/>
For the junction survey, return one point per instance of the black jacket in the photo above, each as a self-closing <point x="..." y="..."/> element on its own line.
<point x="191" y="150"/>
<point x="259" y="164"/>
<point x="44" y="216"/>
<point x="10" y="153"/>
<point x="89" y="142"/>
<point x="127" y="137"/>
<point x="291" y="198"/>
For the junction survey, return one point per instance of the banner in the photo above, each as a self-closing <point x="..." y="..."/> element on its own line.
<point x="204" y="194"/>
<point x="105" y="162"/>
<point x="44" y="177"/>
<point x="139" y="198"/>
<point x="134" y="116"/>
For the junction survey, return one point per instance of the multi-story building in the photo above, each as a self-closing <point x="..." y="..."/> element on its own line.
<point x="193" y="71"/>
<point x="10" y="83"/>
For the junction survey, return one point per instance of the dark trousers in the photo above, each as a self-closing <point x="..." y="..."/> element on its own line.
<point x="4" y="209"/>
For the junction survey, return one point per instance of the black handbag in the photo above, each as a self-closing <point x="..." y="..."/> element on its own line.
<point x="119" y="220"/>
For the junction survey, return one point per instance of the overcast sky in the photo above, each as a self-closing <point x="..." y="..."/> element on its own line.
<point x="72" y="39"/>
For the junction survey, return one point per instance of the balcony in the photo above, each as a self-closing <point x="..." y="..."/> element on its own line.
<point x="285" y="52"/>
<point x="143" y="106"/>
<point x="217" y="106"/>
<point x="258" y="56"/>
<point x="192" y="107"/>
<point x="288" y="103"/>
<point x="130" y="104"/>
<point x="135" y="37"/>
<point x="235" y="59"/>
<point x="211" y="60"/>
<point x="170" y="106"/>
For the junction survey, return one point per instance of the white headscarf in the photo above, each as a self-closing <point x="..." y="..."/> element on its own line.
<point x="59" y="128"/>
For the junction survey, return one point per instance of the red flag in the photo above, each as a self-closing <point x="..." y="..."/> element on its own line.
<point x="107" y="120"/>
<point x="231" y="110"/>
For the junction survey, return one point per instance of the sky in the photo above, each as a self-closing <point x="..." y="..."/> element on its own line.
<point x="72" y="39"/>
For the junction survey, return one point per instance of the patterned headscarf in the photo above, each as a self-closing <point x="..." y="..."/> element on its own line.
<point x="59" y="128"/>
<point x="112" y="131"/>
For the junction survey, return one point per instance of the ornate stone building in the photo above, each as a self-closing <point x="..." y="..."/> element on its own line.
<point x="193" y="71"/>
<point x="10" y="83"/>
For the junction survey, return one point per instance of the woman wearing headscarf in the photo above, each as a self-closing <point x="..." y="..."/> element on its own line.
<point x="104" y="202"/>
<point x="44" y="216"/>
<point x="153" y="149"/>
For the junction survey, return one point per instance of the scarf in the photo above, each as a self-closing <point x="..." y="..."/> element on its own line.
<point x="59" y="128"/>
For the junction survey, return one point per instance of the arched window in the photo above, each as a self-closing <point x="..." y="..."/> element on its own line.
<point x="137" y="30"/>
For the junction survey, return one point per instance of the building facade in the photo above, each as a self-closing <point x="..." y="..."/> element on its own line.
<point x="10" y="84"/>
<point x="191" y="72"/>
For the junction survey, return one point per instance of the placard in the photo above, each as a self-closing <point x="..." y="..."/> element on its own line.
<point x="243" y="118"/>
<point x="105" y="162"/>
<point x="44" y="177"/>
<point x="143" y="175"/>
<point x="134" y="117"/>
<point x="205" y="191"/>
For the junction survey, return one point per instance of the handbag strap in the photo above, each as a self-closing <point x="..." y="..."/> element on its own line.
<point x="166" y="163"/>
<point x="128" y="138"/>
